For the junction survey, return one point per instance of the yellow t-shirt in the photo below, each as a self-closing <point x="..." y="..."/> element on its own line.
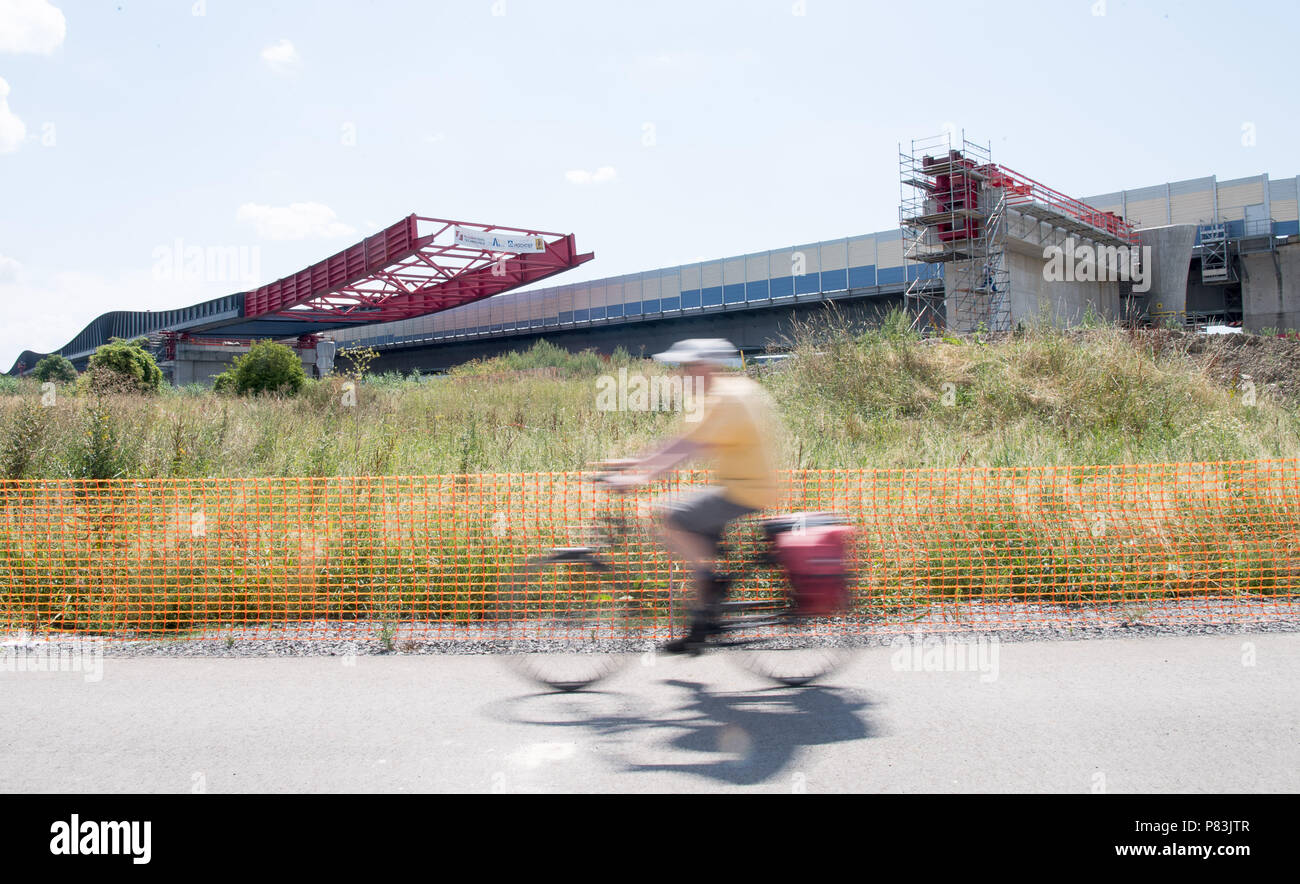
<point x="737" y="428"/>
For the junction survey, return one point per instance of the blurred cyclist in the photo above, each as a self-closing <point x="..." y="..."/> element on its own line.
<point x="735" y="435"/>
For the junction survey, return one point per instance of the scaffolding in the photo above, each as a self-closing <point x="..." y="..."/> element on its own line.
<point x="1216" y="255"/>
<point x="953" y="216"/>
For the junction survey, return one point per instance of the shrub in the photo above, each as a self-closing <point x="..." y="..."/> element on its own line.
<point x="133" y="365"/>
<point x="268" y="367"/>
<point x="57" y="368"/>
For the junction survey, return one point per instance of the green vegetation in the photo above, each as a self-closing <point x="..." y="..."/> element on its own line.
<point x="881" y="398"/>
<point x="55" y="368"/>
<point x="267" y="367"/>
<point x="123" y="367"/>
<point x="441" y="539"/>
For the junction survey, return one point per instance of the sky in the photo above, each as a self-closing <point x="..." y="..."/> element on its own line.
<point x="658" y="133"/>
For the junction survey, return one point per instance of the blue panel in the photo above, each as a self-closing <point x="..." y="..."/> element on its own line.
<point x="922" y="271"/>
<point x="808" y="284"/>
<point x="711" y="297"/>
<point x="733" y="294"/>
<point x="498" y="327"/>
<point x="756" y="291"/>
<point x="861" y="277"/>
<point x="538" y="322"/>
<point x="566" y="317"/>
<point x="665" y="304"/>
<point x="633" y="308"/>
<point x="834" y="280"/>
<point x="1286" y="228"/>
<point x="887" y="275"/>
<point x="782" y="286"/>
<point x="597" y="312"/>
<point x="552" y="320"/>
<point x="691" y="298"/>
<point x="581" y="315"/>
<point x="614" y="310"/>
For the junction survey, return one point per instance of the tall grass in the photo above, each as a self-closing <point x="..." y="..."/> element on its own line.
<point x="881" y="407"/>
<point x="878" y="398"/>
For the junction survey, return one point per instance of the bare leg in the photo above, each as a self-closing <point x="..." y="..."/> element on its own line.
<point x="695" y="551"/>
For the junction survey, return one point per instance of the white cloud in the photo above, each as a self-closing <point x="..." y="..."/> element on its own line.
<point x="281" y="57"/>
<point x="294" y="221"/>
<point x="12" y="130"/>
<point x="9" y="268"/>
<point x="601" y="176"/>
<point x="31" y="26"/>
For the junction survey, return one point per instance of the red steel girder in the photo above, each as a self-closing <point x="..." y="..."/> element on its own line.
<point x="413" y="268"/>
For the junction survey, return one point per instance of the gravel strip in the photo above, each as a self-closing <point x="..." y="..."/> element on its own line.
<point x="1006" y="622"/>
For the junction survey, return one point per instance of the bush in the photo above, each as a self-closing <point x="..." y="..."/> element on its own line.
<point x="268" y="367"/>
<point x="55" y="368"/>
<point x="130" y="362"/>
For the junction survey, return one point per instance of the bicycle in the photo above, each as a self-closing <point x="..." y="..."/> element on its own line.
<point x="594" y="605"/>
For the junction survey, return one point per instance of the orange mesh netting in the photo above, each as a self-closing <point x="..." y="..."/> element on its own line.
<point x="436" y="556"/>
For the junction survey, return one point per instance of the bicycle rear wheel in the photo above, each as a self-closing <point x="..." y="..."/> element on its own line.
<point x="575" y="612"/>
<point x="791" y="650"/>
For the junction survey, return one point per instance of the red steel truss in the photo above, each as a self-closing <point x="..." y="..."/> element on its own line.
<point x="412" y="268"/>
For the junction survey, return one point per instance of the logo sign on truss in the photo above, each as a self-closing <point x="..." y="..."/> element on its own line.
<point x="499" y="241"/>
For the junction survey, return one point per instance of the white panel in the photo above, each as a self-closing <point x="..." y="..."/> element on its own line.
<point x="782" y="262"/>
<point x="1284" y="210"/>
<point x="670" y="284"/>
<point x="711" y="274"/>
<point x="690" y="275"/>
<point x="733" y="271"/>
<point x="812" y="257"/>
<point x="1193" y="208"/>
<point x="1234" y="197"/>
<point x="834" y="255"/>
<point x="891" y="251"/>
<point x="756" y="267"/>
<point x="582" y="296"/>
<point x="862" y="251"/>
<point x="1148" y="213"/>
<point x="598" y="291"/>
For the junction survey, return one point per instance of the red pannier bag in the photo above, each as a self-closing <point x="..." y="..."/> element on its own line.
<point x="813" y="549"/>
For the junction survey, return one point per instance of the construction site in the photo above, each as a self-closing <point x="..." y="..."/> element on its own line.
<point x="979" y="247"/>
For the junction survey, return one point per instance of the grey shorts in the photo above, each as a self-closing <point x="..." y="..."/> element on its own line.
<point x="706" y="513"/>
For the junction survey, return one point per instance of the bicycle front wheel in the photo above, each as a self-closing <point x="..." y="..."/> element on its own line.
<point x="575" y="613"/>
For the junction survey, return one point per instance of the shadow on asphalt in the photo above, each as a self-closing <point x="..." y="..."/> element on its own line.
<point x="740" y="738"/>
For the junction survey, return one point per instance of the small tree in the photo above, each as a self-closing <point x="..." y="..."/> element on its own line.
<point x="55" y="368"/>
<point x="133" y="365"/>
<point x="268" y="367"/>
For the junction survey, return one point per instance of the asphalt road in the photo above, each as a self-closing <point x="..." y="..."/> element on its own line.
<point x="1179" y="714"/>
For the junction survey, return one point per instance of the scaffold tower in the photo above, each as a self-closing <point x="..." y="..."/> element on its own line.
<point x="952" y="215"/>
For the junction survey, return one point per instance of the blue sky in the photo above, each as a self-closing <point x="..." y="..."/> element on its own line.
<point x="656" y="132"/>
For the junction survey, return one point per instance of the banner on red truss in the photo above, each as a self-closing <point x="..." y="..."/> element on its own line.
<point x="499" y="242"/>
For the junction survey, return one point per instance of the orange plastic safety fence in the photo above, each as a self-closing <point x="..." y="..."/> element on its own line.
<point x="442" y="556"/>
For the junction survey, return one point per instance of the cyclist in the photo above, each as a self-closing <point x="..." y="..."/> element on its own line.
<point x="734" y="433"/>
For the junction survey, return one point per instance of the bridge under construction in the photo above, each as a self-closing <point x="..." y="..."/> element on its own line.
<point x="978" y="246"/>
